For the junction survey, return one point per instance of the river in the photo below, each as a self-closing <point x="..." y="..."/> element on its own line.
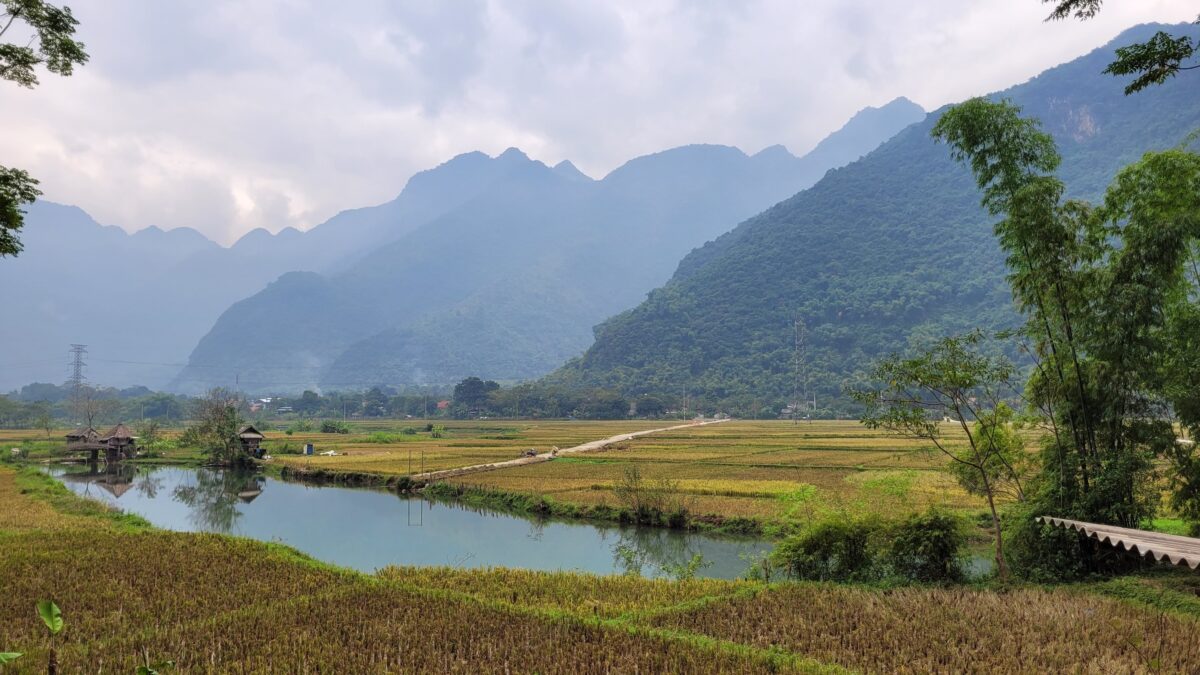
<point x="367" y="529"/>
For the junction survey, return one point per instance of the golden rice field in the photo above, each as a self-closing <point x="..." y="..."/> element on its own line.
<point x="755" y="469"/>
<point x="917" y="630"/>
<point x="464" y="443"/>
<point x="216" y="604"/>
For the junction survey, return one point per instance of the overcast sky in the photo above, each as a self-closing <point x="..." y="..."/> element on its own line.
<point x="225" y="116"/>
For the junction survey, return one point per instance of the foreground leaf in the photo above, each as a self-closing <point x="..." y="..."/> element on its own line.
<point x="51" y="616"/>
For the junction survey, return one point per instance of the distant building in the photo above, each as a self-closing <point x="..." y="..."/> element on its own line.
<point x="442" y="405"/>
<point x="251" y="439"/>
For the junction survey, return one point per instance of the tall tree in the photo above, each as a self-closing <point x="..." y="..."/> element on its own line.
<point x="1151" y="62"/>
<point x="48" y="33"/>
<point x="1100" y="287"/>
<point x="215" y="431"/>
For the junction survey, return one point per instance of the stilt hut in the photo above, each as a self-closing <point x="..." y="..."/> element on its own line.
<point x="85" y="440"/>
<point x="251" y="439"/>
<point x="82" y="437"/>
<point x="118" y="443"/>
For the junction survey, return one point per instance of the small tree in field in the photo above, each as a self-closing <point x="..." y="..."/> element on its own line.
<point x="216" y="429"/>
<point x="953" y="385"/>
<point x="44" y="420"/>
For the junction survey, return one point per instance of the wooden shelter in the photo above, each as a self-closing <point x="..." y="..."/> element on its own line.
<point x="119" y="443"/>
<point x="86" y="440"/>
<point x="82" y="437"/>
<point x="251" y="439"/>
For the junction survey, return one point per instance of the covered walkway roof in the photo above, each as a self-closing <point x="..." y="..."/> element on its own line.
<point x="1179" y="550"/>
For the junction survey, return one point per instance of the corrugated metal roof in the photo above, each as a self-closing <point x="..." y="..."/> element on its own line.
<point x="1179" y="550"/>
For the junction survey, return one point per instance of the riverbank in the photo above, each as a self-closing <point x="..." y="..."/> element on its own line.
<point x="203" y="601"/>
<point x="535" y="505"/>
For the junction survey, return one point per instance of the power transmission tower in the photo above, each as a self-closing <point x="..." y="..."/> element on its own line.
<point x="799" y="384"/>
<point x="77" y="378"/>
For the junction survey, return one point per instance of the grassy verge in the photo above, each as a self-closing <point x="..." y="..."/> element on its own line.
<point x="524" y="503"/>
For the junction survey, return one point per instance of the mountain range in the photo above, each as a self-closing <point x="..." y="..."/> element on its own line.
<point x="506" y="275"/>
<point x="883" y="253"/>
<point x="473" y="257"/>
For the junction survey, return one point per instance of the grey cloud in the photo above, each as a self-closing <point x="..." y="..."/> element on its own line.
<point x="225" y="115"/>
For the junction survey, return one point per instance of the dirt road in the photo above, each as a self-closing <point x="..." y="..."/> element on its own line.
<point x="592" y="446"/>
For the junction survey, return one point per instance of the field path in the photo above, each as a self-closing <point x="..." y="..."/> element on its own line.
<point x="591" y="446"/>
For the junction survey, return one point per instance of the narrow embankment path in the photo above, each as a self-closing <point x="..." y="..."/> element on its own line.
<point x="592" y="446"/>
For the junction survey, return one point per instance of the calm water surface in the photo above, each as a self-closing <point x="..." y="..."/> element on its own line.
<point x="368" y="529"/>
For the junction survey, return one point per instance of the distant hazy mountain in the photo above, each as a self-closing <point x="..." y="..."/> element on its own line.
<point x="504" y="278"/>
<point x="885" y="251"/>
<point x="141" y="301"/>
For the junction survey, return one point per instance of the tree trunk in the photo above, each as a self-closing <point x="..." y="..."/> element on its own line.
<point x="1001" y="565"/>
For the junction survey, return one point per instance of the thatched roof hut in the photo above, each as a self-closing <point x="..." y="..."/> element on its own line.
<point x="251" y="439"/>
<point x="248" y="432"/>
<point x="121" y="433"/>
<point x="77" y="436"/>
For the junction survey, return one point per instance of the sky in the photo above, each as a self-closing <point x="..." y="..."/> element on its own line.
<point x="226" y="115"/>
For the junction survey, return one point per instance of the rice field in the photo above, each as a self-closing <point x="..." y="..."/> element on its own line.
<point x="918" y="630"/>
<point x="463" y="443"/>
<point x="212" y="604"/>
<point x="768" y="470"/>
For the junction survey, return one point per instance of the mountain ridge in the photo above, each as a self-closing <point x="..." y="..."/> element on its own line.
<point x="529" y="221"/>
<point x="884" y="252"/>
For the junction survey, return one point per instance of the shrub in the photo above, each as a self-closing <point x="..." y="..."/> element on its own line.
<point x="927" y="548"/>
<point x="655" y="501"/>
<point x="831" y="551"/>
<point x="334" y="427"/>
<point x="437" y="430"/>
<point x="409" y="431"/>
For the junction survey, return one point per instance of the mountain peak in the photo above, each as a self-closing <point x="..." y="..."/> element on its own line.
<point x="862" y="132"/>
<point x="568" y="170"/>
<point x="512" y="154"/>
<point x="776" y="151"/>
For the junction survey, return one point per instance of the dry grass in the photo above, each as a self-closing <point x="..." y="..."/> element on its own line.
<point x="958" y="630"/>
<point x="20" y="512"/>
<point x="584" y="594"/>
<point x="215" y="604"/>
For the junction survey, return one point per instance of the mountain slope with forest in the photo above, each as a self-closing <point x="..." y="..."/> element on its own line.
<point x="889" y="250"/>
<point x="507" y="283"/>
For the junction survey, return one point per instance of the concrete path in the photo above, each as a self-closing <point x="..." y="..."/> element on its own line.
<point x="431" y="476"/>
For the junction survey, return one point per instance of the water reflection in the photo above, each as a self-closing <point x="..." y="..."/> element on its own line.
<point x="115" y="479"/>
<point x="369" y="529"/>
<point x="213" y="497"/>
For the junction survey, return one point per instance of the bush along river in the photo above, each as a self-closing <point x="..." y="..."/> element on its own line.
<point x="367" y="529"/>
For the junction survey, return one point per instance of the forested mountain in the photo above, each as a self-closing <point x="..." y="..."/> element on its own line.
<point x="888" y="250"/>
<point x="506" y="283"/>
